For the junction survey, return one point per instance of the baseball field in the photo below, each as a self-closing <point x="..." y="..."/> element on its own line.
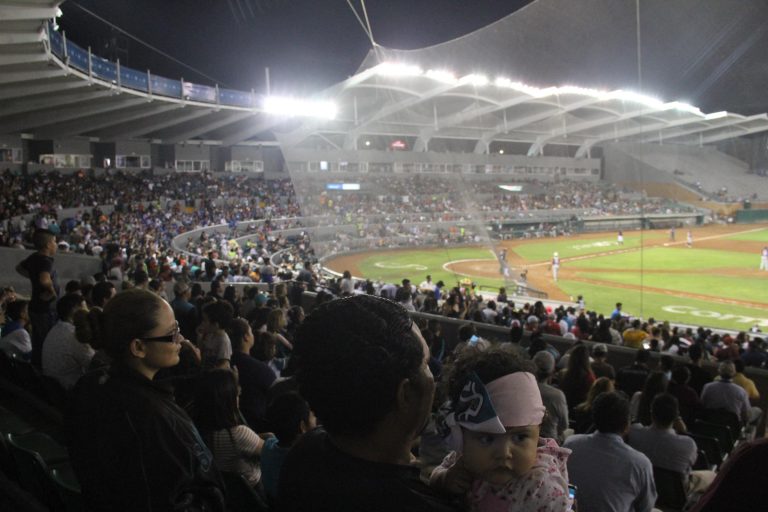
<point x="715" y="282"/>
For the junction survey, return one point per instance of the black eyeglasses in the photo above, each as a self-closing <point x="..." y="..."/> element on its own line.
<point x="168" y="338"/>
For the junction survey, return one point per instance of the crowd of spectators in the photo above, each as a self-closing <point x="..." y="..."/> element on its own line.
<point x="126" y="214"/>
<point x="196" y="340"/>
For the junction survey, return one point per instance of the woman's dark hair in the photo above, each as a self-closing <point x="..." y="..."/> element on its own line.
<point x="351" y="356"/>
<point x="601" y="385"/>
<point x="230" y="294"/>
<point x="603" y="332"/>
<point x="128" y="315"/>
<point x="294" y="315"/>
<point x="488" y="365"/>
<point x="219" y="312"/>
<point x="236" y="332"/>
<point x="584" y="326"/>
<point x="264" y="346"/>
<point x="655" y="384"/>
<point x="284" y="416"/>
<point x="215" y="407"/>
<point x="576" y="380"/>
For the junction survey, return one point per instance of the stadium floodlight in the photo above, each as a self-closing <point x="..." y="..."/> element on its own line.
<point x="293" y="107"/>
<point x="397" y="69"/>
<point x="534" y="92"/>
<point x="474" y="79"/>
<point x="685" y="107"/>
<point x="716" y="115"/>
<point x="441" y="76"/>
<point x="635" y="97"/>
<point x="582" y="91"/>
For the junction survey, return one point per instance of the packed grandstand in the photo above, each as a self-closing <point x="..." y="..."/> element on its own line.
<point x="234" y="223"/>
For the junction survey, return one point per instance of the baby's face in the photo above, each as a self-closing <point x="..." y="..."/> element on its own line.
<point x="497" y="458"/>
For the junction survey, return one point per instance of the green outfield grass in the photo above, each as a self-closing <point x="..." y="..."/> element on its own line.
<point x="670" y="258"/>
<point x="739" y="288"/>
<point x="700" y="276"/>
<point x="757" y="236"/>
<point x="541" y="250"/>
<point x="604" y="298"/>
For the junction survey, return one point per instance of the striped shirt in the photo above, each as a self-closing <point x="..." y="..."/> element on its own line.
<point x="237" y="450"/>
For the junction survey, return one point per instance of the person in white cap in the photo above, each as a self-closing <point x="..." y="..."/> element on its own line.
<point x="764" y="258"/>
<point x="555" y="265"/>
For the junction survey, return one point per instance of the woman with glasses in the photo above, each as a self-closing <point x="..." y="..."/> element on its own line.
<point x="131" y="446"/>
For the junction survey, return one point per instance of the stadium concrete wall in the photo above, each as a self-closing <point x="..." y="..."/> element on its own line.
<point x="192" y="152"/>
<point x="72" y="146"/>
<point x="67" y="266"/>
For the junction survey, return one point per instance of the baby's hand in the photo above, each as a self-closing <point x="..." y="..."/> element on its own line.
<point x="457" y="479"/>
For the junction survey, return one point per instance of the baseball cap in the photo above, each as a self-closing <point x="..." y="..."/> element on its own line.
<point x="600" y="348"/>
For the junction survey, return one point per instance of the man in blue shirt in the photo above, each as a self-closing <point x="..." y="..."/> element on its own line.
<point x="608" y="473"/>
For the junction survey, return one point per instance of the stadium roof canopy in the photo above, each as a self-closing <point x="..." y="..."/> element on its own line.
<point x="581" y="56"/>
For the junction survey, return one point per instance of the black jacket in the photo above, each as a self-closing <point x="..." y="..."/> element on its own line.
<point x="133" y="448"/>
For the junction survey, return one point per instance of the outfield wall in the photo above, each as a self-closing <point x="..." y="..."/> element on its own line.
<point x="748" y="216"/>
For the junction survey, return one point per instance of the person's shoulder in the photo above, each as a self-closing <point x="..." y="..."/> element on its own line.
<point x="577" y="440"/>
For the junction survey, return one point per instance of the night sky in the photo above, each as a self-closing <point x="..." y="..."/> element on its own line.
<point x="307" y="44"/>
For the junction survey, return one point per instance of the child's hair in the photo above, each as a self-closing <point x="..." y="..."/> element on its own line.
<point x="216" y="401"/>
<point x="284" y="416"/>
<point x="219" y="313"/>
<point x="488" y="365"/>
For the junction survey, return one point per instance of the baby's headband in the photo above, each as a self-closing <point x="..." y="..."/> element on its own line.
<point x="513" y="400"/>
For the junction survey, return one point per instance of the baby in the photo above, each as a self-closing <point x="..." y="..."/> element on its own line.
<point x="500" y="461"/>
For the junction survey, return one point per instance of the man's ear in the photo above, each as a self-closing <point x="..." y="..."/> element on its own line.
<point x="138" y="348"/>
<point x="404" y="395"/>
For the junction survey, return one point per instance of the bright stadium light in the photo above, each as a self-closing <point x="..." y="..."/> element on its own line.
<point x="583" y="91"/>
<point x="441" y="76"/>
<point x="396" y="69"/>
<point x="293" y="107"/>
<point x="685" y="107"/>
<point x="716" y="115"/>
<point x="476" y="80"/>
<point x="643" y="99"/>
